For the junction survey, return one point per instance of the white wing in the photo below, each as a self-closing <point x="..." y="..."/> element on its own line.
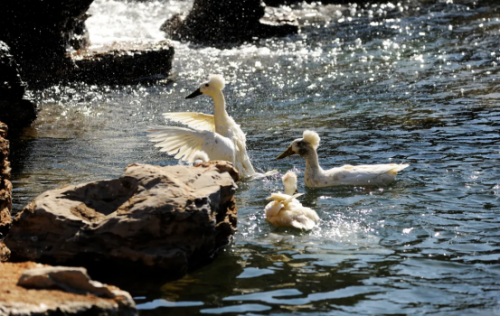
<point x="186" y="143"/>
<point x="199" y="121"/>
<point x="240" y="145"/>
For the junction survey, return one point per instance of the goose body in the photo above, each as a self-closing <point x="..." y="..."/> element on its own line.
<point x="316" y="177"/>
<point x="218" y="135"/>
<point x="285" y="210"/>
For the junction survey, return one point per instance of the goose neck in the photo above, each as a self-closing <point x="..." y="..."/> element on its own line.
<point x="312" y="162"/>
<point x="220" y="104"/>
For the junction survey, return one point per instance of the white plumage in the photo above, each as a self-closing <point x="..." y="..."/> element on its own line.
<point x="286" y="211"/>
<point x="217" y="135"/>
<point x="316" y="177"/>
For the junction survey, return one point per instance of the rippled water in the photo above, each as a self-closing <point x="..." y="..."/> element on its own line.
<point x="414" y="82"/>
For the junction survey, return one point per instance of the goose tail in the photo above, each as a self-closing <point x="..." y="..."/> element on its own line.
<point x="394" y="171"/>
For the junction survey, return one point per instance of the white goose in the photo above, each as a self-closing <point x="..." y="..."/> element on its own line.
<point x="316" y="177"/>
<point x="217" y="135"/>
<point x="286" y="211"/>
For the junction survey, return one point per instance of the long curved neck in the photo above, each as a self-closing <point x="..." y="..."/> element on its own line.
<point x="220" y="113"/>
<point x="290" y="189"/>
<point x="312" y="162"/>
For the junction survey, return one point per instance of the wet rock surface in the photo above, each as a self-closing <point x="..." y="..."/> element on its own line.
<point x="16" y="110"/>
<point x="39" y="34"/>
<point x="124" y="65"/>
<point x="214" y="22"/>
<point x="5" y="184"/>
<point x="29" y="288"/>
<point x="165" y="218"/>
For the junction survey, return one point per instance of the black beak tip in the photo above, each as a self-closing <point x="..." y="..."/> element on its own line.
<point x="194" y="94"/>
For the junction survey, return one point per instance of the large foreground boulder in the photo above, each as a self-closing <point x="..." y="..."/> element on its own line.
<point x="159" y="218"/>
<point x="29" y="288"/>
<point x="221" y="22"/>
<point x="16" y="110"/>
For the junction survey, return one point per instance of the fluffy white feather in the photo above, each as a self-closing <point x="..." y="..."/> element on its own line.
<point x="217" y="81"/>
<point x="285" y="210"/>
<point x="290" y="182"/>
<point x="312" y="138"/>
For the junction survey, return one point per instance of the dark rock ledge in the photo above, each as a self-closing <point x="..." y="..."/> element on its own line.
<point x="16" y="110"/>
<point x="164" y="219"/>
<point x="125" y="64"/>
<point x="225" y="22"/>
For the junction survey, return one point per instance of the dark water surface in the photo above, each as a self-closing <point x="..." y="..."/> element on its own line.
<point x="413" y="82"/>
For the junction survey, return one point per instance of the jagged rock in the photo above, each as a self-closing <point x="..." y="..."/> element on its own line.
<point x="51" y="296"/>
<point x="4" y="252"/>
<point x="39" y="33"/>
<point x="170" y="218"/>
<point x="216" y="22"/>
<point x="15" y="109"/>
<point x="124" y="65"/>
<point x="5" y="184"/>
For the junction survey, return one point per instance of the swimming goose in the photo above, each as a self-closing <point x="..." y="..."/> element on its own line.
<point x="286" y="211"/>
<point x="217" y="135"/>
<point x="316" y="177"/>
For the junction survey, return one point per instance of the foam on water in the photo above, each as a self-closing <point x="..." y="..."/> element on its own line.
<point x="113" y="21"/>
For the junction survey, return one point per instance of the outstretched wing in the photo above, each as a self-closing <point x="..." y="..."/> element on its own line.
<point x="198" y="121"/>
<point x="185" y="143"/>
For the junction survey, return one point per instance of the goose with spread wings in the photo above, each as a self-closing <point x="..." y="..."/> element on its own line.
<point x="218" y="135"/>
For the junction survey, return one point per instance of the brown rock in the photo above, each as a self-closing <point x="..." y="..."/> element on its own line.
<point x="16" y="299"/>
<point x="4" y="252"/>
<point x="5" y="184"/>
<point x="171" y="218"/>
<point x="69" y="279"/>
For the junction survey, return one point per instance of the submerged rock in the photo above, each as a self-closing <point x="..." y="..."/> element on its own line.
<point x="216" y="22"/>
<point x="16" y="110"/>
<point x="169" y="218"/>
<point x="29" y="288"/>
<point x="124" y="65"/>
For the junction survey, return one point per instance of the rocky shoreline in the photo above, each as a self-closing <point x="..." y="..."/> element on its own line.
<point x="163" y="221"/>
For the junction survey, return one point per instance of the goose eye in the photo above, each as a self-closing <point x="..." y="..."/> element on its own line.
<point x="206" y="84"/>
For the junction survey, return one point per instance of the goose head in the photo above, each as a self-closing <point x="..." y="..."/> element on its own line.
<point x="302" y="146"/>
<point x="214" y="85"/>
<point x="290" y="182"/>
